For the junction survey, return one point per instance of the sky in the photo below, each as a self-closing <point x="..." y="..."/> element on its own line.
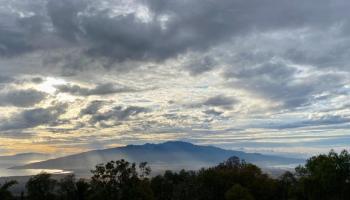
<point x="269" y="76"/>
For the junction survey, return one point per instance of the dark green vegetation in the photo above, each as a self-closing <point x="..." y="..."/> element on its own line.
<point x="323" y="177"/>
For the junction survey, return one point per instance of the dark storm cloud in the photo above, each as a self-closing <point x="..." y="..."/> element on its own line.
<point x="21" y="98"/>
<point x="103" y="89"/>
<point x="34" y="117"/>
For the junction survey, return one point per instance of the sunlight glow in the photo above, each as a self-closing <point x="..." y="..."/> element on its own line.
<point x="49" y="84"/>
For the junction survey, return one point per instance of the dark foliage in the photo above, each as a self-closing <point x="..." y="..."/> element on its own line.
<point x="323" y="177"/>
<point x="5" y="194"/>
<point x="41" y="187"/>
<point x="120" y="180"/>
<point x="70" y="189"/>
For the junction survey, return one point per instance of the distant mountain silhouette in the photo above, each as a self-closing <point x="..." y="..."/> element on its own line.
<point x="173" y="155"/>
<point x="21" y="159"/>
<point x="26" y="157"/>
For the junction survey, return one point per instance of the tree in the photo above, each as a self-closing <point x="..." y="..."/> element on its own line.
<point x="214" y="182"/>
<point x="70" y="189"/>
<point x="175" y="186"/>
<point x="83" y="189"/>
<point x="41" y="187"/>
<point x="232" y="162"/>
<point x="67" y="188"/>
<point x="121" y="180"/>
<point x="237" y="192"/>
<point x="5" y="194"/>
<point x="287" y="183"/>
<point x="325" y="176"/>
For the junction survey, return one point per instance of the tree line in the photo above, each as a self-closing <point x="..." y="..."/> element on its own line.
<point x="323" y="177"/>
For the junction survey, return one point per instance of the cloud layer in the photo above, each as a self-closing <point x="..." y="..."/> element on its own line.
<point x="228" y="72"/>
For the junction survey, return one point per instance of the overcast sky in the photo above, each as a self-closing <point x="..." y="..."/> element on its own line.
<point x="259" y="75"/>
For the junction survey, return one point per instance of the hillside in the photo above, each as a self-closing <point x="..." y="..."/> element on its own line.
<point x="169" y="155"/>
<point x="21" y="159"/>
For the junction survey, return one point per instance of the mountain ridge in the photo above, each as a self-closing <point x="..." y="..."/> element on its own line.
<point x="173" y="155"/>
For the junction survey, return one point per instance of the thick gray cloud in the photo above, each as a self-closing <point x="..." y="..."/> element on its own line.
<point x="174" y="27"/>
<point x="221" y="101"/>
<point x="21" y="98"/>
<point x="170" y="28"/>
<point x="20" y="25"/>
<point x="34" y="117"/>
<point x="117" y="114"/>
<point x="64" y="17"/>
<point x="200" y="65"/>
<point x="37" y="80"/>
<point x="5" y="79"/>
<point x="103" y="89"/>
<point x="282" y="83"/>
<point x="12" y="42"/>
<point x="92" y="108"/>
<point x="213" y="112"/>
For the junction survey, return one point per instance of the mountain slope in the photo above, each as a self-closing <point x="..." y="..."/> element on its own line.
<point x="169" y="155"/>
<point x="21" y="159"/>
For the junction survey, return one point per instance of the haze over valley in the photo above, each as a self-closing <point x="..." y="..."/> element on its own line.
<point x="173" y="155"/>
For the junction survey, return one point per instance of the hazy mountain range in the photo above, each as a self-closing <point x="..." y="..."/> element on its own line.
<point x="21" y="159"/>
<point x="169" y="155"/>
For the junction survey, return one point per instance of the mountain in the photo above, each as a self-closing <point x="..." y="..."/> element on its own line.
<point x="21" y="159"/>
<point x="173" y="155"/>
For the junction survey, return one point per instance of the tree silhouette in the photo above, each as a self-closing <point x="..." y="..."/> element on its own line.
<point x="83" y="189"/>
<point x="41" y="187"/>
<point x="121" y="180"/>
<point x="237" y="192"/>
<point x="5" y="194"/>
<point x="325" y="176"/>
<point x="288" y="185"/>
<point x="71" y="189"/>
